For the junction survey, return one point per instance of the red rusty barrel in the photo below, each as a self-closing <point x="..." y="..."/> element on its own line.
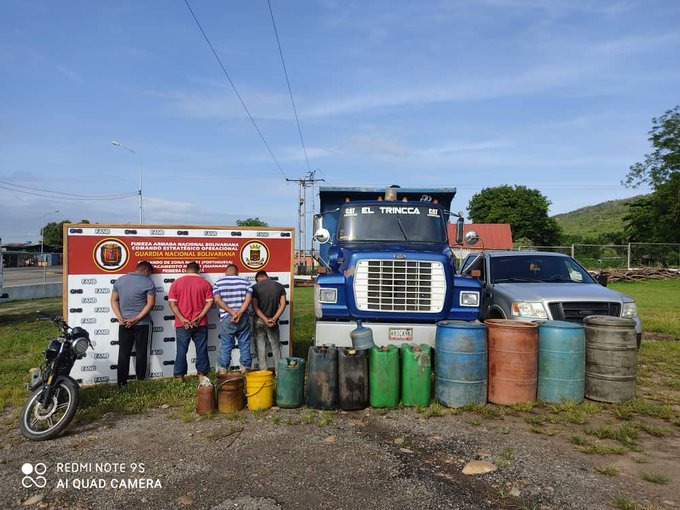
<point x="513" y="361"/>
<point x="205" y="400"/>
<point x="230" y="396"/>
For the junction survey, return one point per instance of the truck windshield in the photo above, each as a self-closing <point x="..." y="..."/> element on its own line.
<point x="537" y="268"/>
<point x="394" y="221"/>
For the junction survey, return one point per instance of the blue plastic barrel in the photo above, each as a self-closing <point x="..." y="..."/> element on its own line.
<point x="460" y="363"/>
<point x="561" y="361"/>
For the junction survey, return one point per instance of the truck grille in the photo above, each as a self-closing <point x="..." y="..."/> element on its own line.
<point x="399" y="286"/>
<point x="577" y="311"/>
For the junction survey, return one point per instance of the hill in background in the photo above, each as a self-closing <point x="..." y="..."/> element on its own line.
<point x="594" y="220"/>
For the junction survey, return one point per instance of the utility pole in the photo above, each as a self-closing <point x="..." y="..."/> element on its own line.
<point x="308" y="181"/>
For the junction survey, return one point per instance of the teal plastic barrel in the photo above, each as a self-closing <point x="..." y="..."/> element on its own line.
<point x="460" y="363"/>
<point x="611" y="358"/>
<point x="561" y="361"/>
<point x="290" y="382"/>
<point x="416" y="375"/>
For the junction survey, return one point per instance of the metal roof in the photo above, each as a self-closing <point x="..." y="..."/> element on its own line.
<point x="495" y="236"/>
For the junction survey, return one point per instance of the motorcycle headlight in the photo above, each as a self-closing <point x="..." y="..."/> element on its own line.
<point x="80" y="346"/>
<point x="534" y="310"/>
<point x="629" y="310"/>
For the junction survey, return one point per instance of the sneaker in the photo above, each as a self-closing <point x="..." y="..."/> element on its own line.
<point x="221" y="370"/>
<point x="245" y="369"/>
<point x="179" y="378"/>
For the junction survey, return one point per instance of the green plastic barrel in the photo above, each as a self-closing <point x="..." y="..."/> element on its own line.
<point x="416" y="375"/>
<point x="561" y="361"/>
<point x="383" y="384"/>
<point x="290" y="382"/>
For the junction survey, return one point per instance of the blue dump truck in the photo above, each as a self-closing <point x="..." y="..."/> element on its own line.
<point x="385" y="260"/>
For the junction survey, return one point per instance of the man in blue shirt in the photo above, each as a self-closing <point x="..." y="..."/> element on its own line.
<point x="133" y="297"/>
<point x="233" y="295"/>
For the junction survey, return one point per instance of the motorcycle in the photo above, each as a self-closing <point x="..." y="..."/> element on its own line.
<point x="54" y="398"/>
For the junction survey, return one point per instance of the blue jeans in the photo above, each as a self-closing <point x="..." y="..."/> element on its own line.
<point x="200" y="337"/>
<point x="231" y="334"/>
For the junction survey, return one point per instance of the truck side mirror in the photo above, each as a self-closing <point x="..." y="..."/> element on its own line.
<point x="459" y="230"/>
<point x="321" y="234"/>
<point x="472" y="237"/>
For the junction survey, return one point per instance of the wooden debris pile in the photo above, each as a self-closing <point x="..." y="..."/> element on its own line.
<point x="635" y="275"/>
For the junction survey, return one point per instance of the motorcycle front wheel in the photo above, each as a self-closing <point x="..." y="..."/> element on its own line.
<point x="39" y="423"/>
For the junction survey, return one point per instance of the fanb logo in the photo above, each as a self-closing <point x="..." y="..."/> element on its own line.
<point x="100" y="355"/>
<point x="88" y="368"/>
<point x="101" y="379"/>
<point x="88" y="320"/>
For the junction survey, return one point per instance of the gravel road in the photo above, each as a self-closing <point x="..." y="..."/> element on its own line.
<point x="302" y="458"/>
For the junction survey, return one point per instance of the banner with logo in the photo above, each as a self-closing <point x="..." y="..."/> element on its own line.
<point x="96" y="255"/>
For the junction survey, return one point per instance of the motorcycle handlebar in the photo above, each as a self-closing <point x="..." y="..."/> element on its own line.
<point x="54" y="318"/>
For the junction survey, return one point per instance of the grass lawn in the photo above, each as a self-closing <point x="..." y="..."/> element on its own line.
<point x="658" y="304"/>
<point x="23" y="339"/>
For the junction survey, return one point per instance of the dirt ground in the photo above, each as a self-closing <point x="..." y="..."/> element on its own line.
<point x="302" y="458"/>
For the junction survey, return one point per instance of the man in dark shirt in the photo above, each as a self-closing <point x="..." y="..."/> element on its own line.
<point x="269" y="302"/>
<point x="133" y="297"/>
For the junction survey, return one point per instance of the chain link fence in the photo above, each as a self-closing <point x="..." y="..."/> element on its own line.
<point x="623" y="256"/>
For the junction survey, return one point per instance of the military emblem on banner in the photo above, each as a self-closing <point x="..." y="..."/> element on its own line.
<point x="110" y="254"/>
<point x="255" y="255"/>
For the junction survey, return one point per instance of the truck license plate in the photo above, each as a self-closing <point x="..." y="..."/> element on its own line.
<point x="401" y="334"/>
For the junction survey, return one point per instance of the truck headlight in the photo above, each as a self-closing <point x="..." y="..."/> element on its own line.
<point x="629" y="310"/>
<point x="469" y="298"/>
<point x="328" y="296"/>
<point x="529" y="309"/>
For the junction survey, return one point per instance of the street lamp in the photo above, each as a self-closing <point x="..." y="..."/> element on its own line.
<point x="42" y="243"/>
<point x="139" y="159"/>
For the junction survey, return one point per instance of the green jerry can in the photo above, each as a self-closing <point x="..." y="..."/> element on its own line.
<point x="383" y="384"/>
<point x="290" y="382"/>
<point x="416" y="375"/>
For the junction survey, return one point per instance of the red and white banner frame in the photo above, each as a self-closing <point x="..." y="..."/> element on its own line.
<point x="96" y="255"/>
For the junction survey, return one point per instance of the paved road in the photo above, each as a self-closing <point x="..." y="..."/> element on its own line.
<point x="15" y="276"/>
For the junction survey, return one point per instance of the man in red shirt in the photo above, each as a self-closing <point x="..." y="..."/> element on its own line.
<point x="190" y="299"/>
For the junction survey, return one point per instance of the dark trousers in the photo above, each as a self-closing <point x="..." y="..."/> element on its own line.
<point x="137" y="337"/>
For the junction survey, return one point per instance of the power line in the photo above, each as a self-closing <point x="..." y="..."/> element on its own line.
<point x="290" y="91"/>
<point x="60" y="195"/>
<point x="226" y="74"/>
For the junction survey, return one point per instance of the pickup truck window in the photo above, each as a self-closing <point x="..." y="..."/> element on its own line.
<point x="394" y="221"/>
<point x="537" y="268"/>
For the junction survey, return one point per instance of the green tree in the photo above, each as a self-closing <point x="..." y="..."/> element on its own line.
<point x="251" y="222"/>
<point x="664" y="161"/>
<point x="526" y="210"/>
<point x="656" y="217"/>
<point x="53" y="233"/>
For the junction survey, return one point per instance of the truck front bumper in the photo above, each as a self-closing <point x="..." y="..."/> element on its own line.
<point x="384" y="333"/>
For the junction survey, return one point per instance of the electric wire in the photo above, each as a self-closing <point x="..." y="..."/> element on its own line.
<point x="226" y="74"/>
<point x="67" y="195"/>
<point x="290" y="91"/>
<point x="79" y="198"/>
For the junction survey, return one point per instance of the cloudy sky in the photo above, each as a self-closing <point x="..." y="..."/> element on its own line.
<point x="557" y="95"/>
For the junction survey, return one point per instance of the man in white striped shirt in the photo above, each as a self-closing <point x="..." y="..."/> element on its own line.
<point x="233" y="295"/>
